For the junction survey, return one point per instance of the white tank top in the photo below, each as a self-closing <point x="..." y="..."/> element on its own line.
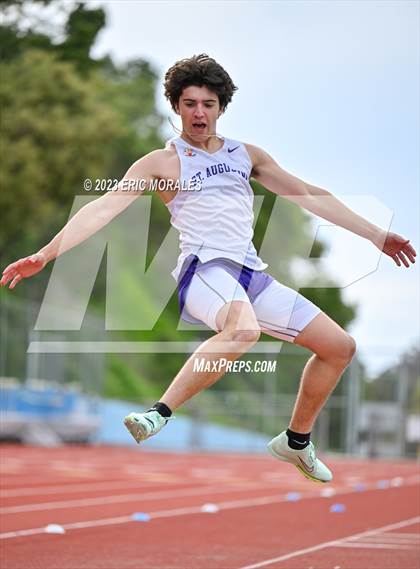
<point x="213" y="211"/>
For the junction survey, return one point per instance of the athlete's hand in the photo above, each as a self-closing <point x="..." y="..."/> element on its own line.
<point x="396" y="247"/>
<point x="22" y="269"/>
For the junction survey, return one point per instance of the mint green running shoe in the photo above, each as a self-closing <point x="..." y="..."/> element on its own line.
<point x="305" y="460"/>
<point x="144" y="425"/>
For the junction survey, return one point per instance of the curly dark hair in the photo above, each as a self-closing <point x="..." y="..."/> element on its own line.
<point x="199" y="70"/>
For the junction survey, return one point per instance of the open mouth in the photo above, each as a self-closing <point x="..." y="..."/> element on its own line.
<point x="199" y="125"/>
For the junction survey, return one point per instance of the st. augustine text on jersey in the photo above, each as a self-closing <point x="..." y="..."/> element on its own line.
<point x="215" y="170"/>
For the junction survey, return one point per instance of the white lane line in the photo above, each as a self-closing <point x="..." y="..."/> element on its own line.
<point x="269" y="477"/>
<point x="405" y="535"/>
<point x="89" y="486"/>
<point x="122" y="483"/>
<point x="153" y="515"/>
<point x="334" y="543"/>
<point x="399" y="535"/>
<point x="389" y="538"/>
<point x="79" y="487"/>
<point x="121" y="498"/>
<point x="93" y="523"/>
<point x="254" y="502"/>
<point x="364" y="545"/>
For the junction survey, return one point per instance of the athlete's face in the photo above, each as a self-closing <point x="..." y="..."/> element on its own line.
<point x="199" y="109"/>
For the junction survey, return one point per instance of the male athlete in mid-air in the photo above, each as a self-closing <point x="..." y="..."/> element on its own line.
<point x="221" y="280"/>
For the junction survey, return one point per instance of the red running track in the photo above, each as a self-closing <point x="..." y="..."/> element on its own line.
<point x="93" y="492"/>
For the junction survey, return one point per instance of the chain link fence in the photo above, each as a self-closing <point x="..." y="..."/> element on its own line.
<point x="257" y="404"/>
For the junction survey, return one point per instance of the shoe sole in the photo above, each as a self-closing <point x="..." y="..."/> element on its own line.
<point x="301" y="470"/>
<point x="135" y="429"/>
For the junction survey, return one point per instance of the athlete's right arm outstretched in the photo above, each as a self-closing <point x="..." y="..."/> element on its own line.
<point x="85" y="223"/>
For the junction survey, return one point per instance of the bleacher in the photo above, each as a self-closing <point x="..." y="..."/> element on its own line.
<point x="39" y="412"/>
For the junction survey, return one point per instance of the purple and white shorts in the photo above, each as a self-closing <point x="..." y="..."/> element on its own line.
<point x="204" y="288"/>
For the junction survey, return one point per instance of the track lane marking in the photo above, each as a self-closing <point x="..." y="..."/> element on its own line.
<point x="68" y="488"/>
<point x="158" y="494"/>
<point x="363" y="545"/>
<point x="389" y="538"/>
<point x="100" y="500"/>
<point x="122" y="484"/>
<point x="334" y="543"/>
<point x="253" y="502"/>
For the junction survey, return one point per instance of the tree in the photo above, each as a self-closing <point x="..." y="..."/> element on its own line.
<point x="385" y="387"/>
<point x="23" y="30"/>
<point x="55" y="133"/>
<point x="67" y="117"/>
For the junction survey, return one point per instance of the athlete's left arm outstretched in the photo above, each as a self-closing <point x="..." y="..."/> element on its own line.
<point x="321" y="202"/>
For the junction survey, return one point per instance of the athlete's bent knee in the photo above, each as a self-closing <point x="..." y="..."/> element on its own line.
<point x="247" y="338"/>
<point x="346" y="348"/>
<point x="351" y="347"/>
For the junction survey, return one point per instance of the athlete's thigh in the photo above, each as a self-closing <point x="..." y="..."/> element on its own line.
<point x="282" y="312"/>
<point x="212" y="291"/>
<point x="326" y="338"/>
<point x="237" y="315"/>
<point x="286" y="314"/>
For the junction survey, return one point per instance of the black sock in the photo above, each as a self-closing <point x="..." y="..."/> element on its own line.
<point x="162" y="409"/>
<point x="298" y="441"/>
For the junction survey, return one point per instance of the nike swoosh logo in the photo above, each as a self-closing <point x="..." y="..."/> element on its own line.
<point x="299" y="443"/>
<point x="232" y="149"/>
<point x="149" y="421"/>
<point x="306" y="467"/>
